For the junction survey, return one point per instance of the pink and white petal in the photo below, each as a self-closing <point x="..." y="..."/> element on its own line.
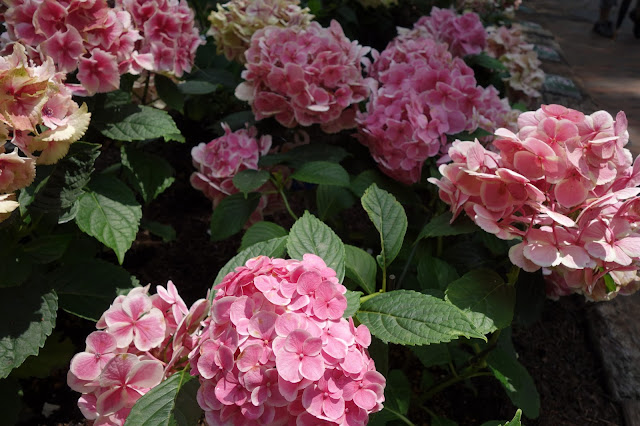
<point x="117" y="370"/>
<point x="621" y="256"/>
<point x="135" y="305"/>
<point x="600" y="250"/>
<point x="146" y="374"/>
<point x="85" y="366"/>
<point x="111" y="401"/>
<point x="100" y="342"/>
<point x="630" y="245"/>
<point x="575" y="257"/>
<point x="149" y="330"/>
<point x="87" y="406"/>
<point x="570" y="192"/>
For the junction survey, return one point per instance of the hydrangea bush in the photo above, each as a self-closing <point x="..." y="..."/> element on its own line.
<point x="322" y="316"/>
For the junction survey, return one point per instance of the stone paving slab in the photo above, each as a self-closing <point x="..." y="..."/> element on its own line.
<point x="561" y="85"/>
<point x="616" y="330"/>
<point x="547" y="53"/>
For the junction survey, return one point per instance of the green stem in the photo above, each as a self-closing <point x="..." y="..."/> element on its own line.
<point x="286" y="203"/>
<point x="400" y="416"/>
<point x="369" y="296"/>
<point x="384" y="278"/>
<point x="439" y="248"/>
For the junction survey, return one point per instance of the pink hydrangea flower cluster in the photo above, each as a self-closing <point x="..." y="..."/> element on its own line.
<point x="141" y="340"/>
<point x="218" y="161"/>
<point x="464" y="34"/>
<point x="305" y="76"/>
<point x="565" y="185"/>
<point x="276" y="350"/>
<point x="423" y="95"/>
<point x="167" y="33"/>
<point x="234" y="22"/>
<point x="102" y="42"/>
<point x="510" y="47"/>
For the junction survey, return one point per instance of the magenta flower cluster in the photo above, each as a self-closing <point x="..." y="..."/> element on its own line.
<point x="141" y="340"/>
<point x="423" y="95"/>
<point x="464" y="34"/>
<point x="276" y="350"/>
<point x="304" y="76"/>
<point x="218" y="161"/>
<point x="566" y="186"/>
<point x="103" y="42"/>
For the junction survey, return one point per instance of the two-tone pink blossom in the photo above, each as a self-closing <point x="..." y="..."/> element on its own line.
<point x="566" y="187"/>
<point x="141" y="341"/>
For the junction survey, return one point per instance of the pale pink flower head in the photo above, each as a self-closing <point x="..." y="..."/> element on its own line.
<point x="304" y="76"/>
<point x="234" y="22"/>
<point x="510" y="47"/>
<point x="566" y="187"/>
<point x="276" y="349"/>
<point x="37" y="115"/>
